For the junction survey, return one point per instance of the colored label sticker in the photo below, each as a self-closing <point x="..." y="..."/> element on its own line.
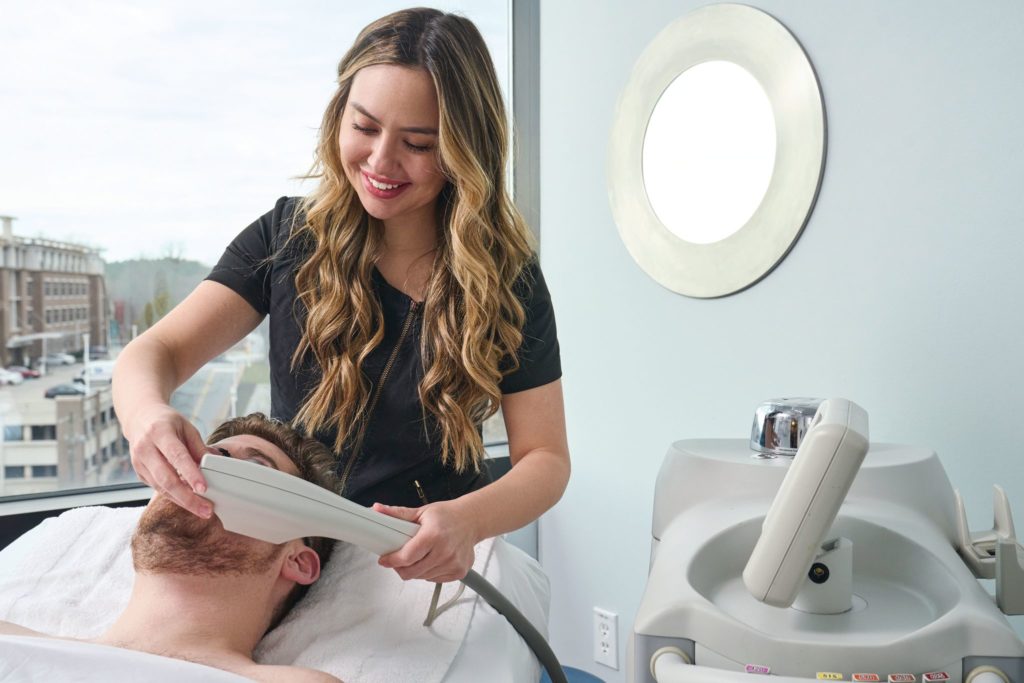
<point x="902" y="678"/>
<point x="867" y="678"/>
<point x="757" y="669"/>
<point x="829" y="676"/>
<point x="935" y="676"/>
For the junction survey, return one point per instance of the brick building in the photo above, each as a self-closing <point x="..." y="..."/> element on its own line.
<point x="51" y="293"/>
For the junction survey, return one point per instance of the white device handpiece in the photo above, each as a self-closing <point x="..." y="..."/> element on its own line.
<point x="274" y="506"/>
<point x="806" y="504"/>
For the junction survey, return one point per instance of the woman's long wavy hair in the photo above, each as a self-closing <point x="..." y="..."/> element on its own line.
<point x="472" y="317"/>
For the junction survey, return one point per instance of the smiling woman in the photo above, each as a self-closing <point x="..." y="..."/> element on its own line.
<point x="180" y="135"/>
<point x="405" y="301"/>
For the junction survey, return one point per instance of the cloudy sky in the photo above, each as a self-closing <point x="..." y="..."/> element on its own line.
<point x="151" y="128"/>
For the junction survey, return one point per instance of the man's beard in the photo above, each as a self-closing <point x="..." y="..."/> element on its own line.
<point x="171" y="540"/>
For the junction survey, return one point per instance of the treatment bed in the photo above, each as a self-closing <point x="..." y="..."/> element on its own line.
<point x="71" y="575"/>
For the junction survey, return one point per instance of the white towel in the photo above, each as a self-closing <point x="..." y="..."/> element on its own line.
<point x="72" y="575"/>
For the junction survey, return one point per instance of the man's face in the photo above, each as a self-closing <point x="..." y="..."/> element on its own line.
<point x="170" y="539"/>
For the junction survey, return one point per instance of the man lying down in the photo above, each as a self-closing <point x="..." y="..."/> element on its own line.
<point x="203" y="594"/>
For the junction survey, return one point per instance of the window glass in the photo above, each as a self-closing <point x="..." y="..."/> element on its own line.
<point x="44" y="432"/>
<point x="13" y="433"/>
<point x="14" y="471"/>
<point x="179" y="124"/>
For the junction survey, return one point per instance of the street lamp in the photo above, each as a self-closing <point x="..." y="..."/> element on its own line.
<point x="85" y="360"/>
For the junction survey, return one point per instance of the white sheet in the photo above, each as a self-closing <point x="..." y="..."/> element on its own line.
<point x="71" y="576"/>
<point x="25" y="659"/>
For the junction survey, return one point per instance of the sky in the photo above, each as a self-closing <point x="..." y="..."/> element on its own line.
<point x="152" y="129"/>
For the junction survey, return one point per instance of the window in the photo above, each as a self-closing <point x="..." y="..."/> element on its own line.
<point x="44" y="432"/>
<point x="44" y="471"/>
<point x="168" y="68"/>
<point x="14" y="433"/>
<point x="14" y="471"/>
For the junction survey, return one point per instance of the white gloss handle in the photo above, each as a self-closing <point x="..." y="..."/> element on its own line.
<point x="807" y="502"/>
<point x="276" y="507"/>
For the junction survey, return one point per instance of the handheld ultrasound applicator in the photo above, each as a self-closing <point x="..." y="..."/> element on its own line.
<point x="273" y="506"/>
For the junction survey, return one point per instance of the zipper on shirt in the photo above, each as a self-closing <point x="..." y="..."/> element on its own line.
<point x="357" y="451"/>
<point x="419" y="492"/>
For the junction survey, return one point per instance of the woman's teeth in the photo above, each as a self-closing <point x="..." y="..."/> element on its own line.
<point x="381" y="186"/>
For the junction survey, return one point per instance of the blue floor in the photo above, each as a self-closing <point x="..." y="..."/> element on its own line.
<point x="573" y="675"/>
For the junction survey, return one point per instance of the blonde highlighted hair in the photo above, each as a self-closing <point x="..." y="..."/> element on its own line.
<point x="472" y="317"/>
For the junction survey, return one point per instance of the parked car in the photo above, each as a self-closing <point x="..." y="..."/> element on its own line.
<point x="57" y="359"/>
<point x="26" y="373"/>
<point x="100" y="372"/>
<point x="65" y="390"/>
<point x="8" y="377"/>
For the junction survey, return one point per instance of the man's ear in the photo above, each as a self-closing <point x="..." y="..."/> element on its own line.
<point x="301" y="564"/>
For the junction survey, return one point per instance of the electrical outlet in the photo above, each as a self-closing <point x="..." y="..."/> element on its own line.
<point x="606" y="638"/>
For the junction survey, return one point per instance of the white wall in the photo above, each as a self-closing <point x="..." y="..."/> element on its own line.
<point x="903" y="292"/>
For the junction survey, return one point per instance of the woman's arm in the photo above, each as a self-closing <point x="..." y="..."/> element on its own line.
<point x="443" y="549"/>
<point x="539" y="451"/>
<point x="165" y="447"/>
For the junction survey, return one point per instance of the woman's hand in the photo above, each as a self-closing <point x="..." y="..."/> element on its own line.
<point x="442" y="550"/>
<point x="166" y="450"/>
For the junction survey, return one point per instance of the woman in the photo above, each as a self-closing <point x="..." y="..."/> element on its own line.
<point x="405" y="304"/>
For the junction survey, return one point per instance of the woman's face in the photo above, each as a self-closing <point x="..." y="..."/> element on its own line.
<point x="388" y="143"/>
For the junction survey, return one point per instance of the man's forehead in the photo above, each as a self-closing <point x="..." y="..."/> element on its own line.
<point x="251" y="447"/>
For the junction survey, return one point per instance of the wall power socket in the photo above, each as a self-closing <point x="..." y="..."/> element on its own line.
<point x="606" y="638"/>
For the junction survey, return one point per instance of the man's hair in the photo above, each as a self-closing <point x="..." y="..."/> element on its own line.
<point x="315" y="463"/>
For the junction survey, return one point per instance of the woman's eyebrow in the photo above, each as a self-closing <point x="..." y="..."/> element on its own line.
<point x="411" y="129"/>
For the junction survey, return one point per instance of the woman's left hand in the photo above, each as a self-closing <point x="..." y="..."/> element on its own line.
<point x="442" y="549"/>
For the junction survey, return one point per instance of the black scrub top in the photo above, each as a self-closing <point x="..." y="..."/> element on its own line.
<point x="398" y="449"/>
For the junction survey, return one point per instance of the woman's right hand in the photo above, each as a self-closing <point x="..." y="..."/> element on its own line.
<point x="165" y="451"/>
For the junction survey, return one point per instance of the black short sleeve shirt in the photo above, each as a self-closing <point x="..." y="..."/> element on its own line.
<point x="397" y="450"/>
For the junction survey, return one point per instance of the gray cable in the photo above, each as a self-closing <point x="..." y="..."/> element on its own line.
<point x="520" y="623"/>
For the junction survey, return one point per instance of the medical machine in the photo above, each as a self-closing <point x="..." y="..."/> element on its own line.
<point x="273" y="506"/>
<point x="809" y="554"/>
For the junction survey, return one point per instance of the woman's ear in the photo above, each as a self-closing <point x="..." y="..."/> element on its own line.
<point x="301" y="564"/>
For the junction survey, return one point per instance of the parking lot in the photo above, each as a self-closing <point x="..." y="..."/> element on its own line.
<point x="31" y="389"/>
<point x="205" y="399"/>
